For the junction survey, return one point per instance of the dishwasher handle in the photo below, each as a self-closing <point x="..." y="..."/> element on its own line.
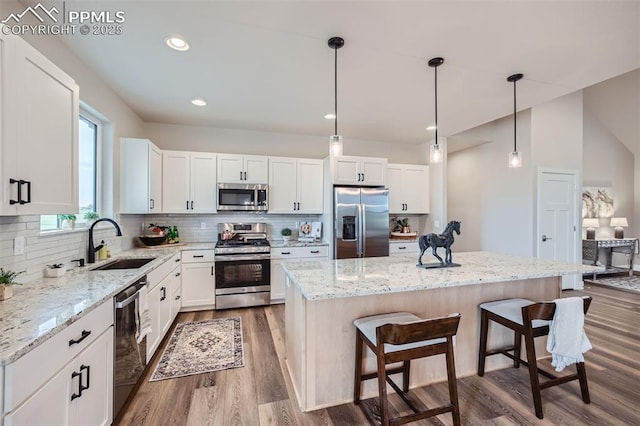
<point x="120" y="304"/>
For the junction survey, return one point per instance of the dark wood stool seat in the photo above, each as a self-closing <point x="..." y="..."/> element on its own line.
<point x="400" y="337"/>
<point x="529" y="319"/>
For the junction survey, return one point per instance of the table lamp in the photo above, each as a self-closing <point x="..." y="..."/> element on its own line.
<point x="591" y="224"/>
<point x="617" y="223"/>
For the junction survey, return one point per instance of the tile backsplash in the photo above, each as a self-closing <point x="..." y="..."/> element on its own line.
<point x="42" y="249"/>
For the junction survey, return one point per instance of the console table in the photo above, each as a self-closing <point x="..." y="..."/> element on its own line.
<point x="591" y="250"/>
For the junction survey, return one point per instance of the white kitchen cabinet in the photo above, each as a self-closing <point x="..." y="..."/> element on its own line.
<point x="408" y="247"/>
<point x="161" y="284"/>
<point x="188" y="182"/>
<point x="242" y="168"/>
<point x="176" y="293"/>
<point x="295" y="185"/>
<point x="362" y="171"/>
<point x="408" y="188"/>
<point x="198" y="279"/>
<point x="140" y="176"/>
<point x="39" y="386"/>
<point x="291" y="254"/>
<point x="39" y="113"/>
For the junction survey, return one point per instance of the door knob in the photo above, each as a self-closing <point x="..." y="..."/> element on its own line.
<point x="545" y="238"/>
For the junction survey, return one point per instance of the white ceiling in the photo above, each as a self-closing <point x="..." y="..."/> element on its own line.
<point x="266" y="65"/>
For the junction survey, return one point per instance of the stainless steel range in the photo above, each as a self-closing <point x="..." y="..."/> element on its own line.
<point x="243" y="265"/>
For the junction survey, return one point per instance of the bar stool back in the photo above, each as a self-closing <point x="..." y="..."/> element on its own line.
<point x="401" y="337"/>
<point x="529" y="319"/>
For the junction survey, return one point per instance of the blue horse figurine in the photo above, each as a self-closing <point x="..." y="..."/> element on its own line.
<point x="434" y="241"/>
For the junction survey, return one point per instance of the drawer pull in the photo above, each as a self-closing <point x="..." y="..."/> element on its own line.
<point x="177" y="274"/>
<point x="177" y="260"/>
<point x="401" y="248"/>
<point x="315" y="251"/>
<point x="197" y="256"/>
<point x="83" y="336"/>
<point x="285" y="252"/>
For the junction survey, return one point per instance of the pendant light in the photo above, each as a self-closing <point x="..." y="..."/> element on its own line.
<point x="335" y="141"/>
<point x="515" y="159"/>
<point x="435" y="153"/>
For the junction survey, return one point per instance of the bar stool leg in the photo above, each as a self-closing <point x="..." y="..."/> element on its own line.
<point x="382" y="390"/>
<point x="357" y="382"/>
<point x="484" y="326"/>
<point x="533" y="372"/>
<point x="405" y="375"/>
<point x="453" y="387"/>
<point x="582" y="378"/>
<point x="517" y="343"/>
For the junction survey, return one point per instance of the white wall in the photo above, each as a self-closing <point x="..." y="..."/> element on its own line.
<point x="212" y="139"/>
<point x="494" y="202"/>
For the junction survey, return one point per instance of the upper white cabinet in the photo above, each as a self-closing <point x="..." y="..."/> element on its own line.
<point x="242" y="168"/>
<point x="362" y="171"/>
<point x="295" y="185"/>
<point x="408" y="188"/>
<point x="188" y="182"/>
<point x="140" y="176"/>
<point x="38" y="132"/>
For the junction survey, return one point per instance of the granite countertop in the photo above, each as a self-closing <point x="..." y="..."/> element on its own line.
<point x="280" y="244"/>
<point x="331" y="279"/>
<point x="42" y="308"/>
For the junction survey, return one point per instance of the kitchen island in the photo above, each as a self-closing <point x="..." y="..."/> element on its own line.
<point x="323" y="298"/>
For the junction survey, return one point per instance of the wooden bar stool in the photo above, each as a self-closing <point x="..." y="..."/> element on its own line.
<point x="401" y="337"/>
<point x="529" y="319"/>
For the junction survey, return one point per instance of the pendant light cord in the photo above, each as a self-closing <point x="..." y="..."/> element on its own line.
<point x="335" y="92"/>
<point x="436" y="101"/>
<point x="515" y="148"/>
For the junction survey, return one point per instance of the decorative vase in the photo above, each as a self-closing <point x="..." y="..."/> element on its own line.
<point x="406" y="229"/>
<point x="68" y="225"/>
<point x="286" y="238"/>
<point x="6" y="291"/>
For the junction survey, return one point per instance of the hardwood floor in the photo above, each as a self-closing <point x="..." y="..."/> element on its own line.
<point x="261" y="393"/>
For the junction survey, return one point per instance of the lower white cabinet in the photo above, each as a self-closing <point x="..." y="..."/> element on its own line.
<point x="295" y="254"/>
<point x="411" y="247"/>
<point x="79" y="394"/>
<point x="198" y="279"/>
<point x="176" y="293"/>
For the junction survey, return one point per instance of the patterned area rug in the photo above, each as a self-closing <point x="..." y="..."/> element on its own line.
<point x="201" y="347"/>
<point x="625" y="283"/>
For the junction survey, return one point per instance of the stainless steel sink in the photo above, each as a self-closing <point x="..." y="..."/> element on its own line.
<point x="125" y="264"/>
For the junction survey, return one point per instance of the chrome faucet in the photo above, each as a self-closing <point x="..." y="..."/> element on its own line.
<point x="91" y="255"/>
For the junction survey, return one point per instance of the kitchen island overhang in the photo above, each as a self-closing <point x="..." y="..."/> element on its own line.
<point x="324" y="297"/>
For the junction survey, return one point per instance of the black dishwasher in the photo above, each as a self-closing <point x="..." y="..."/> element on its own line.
<point x="130" y="357"/>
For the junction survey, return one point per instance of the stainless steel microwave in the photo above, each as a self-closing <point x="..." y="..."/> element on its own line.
<point x="243" y="197"/>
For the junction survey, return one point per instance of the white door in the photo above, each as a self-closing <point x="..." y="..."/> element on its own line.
<point x="396" y="192"/>
<point x="230" y="168"/>
<point x="198" y="284"/>
<point x="155" y="335"/>
<point x="282" y="185"/>
<point x="309" y="186"/>
<point x="557" y="236"/>
<point x="256" y="169"/>
<point x="415" y="181"/>
<point x="203" y="183"/>
<point x="345" y="170"/>
<point x="374" y="171"/>
<point x="155" y="179"/>
<point x="175" y="182"/>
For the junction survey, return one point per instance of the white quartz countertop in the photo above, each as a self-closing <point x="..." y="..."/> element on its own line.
<point x="290" y="243"/>
<point x="42" y="308"/>
<point x="377" y="275"/>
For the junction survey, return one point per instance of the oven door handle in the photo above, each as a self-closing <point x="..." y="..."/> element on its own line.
<point x="236" y="257"/>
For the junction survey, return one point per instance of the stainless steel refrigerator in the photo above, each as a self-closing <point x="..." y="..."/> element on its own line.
<point x="361" y="222"/>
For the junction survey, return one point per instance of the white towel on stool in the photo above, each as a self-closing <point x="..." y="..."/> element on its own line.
<point x="143" y="317"/>
<point x="567" y="340"/>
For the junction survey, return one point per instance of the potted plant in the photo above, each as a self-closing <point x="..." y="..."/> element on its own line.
<point x="91" y="217"/>
<point x="6" y="282"/>
<point x="68" y="221"/>
<point x="286" y="234"/>
<point x="55" y="270"/>
<point x="402" y="225"/>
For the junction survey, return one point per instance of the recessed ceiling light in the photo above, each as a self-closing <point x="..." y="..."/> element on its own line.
<point x="431" y="127"/>
<point x="330" y="116"/>
<point x="199" y="102"/>
<point x="177" y="43"/>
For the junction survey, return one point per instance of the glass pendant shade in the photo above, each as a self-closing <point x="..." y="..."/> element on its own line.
<point x="435" y="154"/>
<point x="335" y="144"/>
<point x="515" y="160"/>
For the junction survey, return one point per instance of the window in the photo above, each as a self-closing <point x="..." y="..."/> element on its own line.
<point x="88" y="171"/>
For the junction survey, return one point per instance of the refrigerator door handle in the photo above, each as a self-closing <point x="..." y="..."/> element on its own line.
<point x="363" y="227"/>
